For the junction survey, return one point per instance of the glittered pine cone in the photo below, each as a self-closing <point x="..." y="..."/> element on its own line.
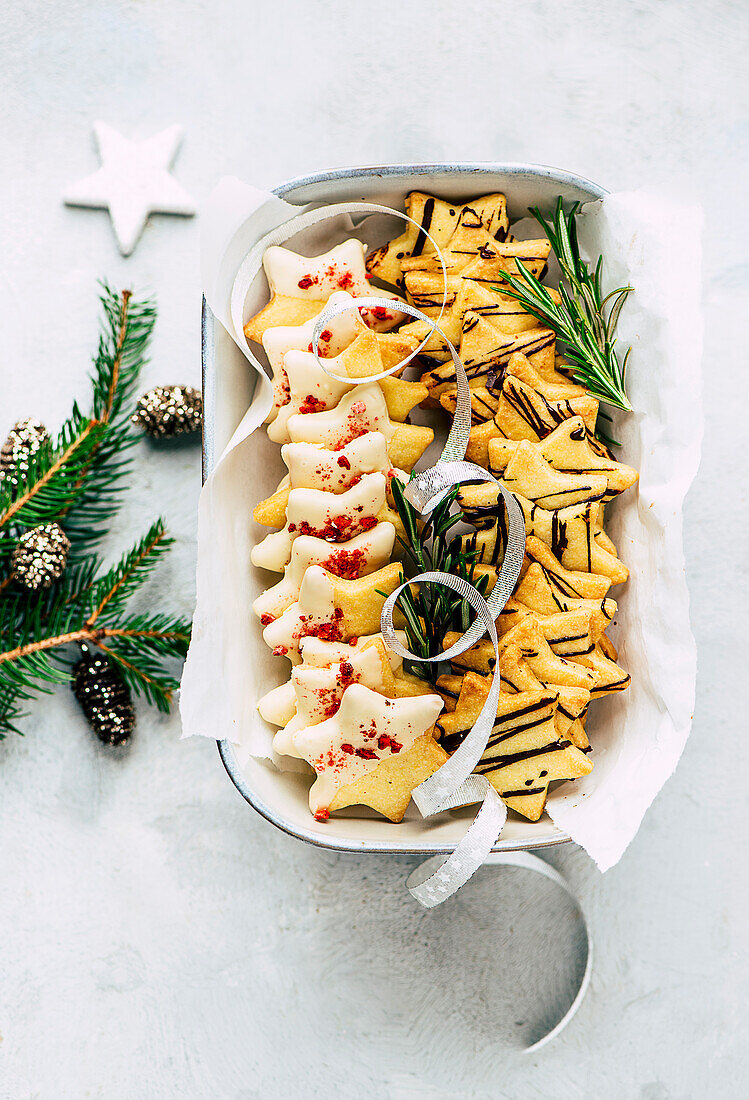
<point x="167" y="411"/>
<point x="24" y="440"/>
<point x="104" y="697"/>
<point x="40" y="556"/>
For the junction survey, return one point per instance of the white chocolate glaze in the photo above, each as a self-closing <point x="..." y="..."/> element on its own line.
<point x="312" y="466"/>
<point x="278" y="705"/>
<point x="372" y="729"/>
<point x="354" y="558"/>
<point x="334" y="517"/>
<point x="316" y="651"/>
<point x="316" y="278"/>
<point x="310" y="390"/>
<point x="277" y="341"/>
<point x="318" y="692"/>
<point x="314" y="610"/>
<point x="361" y="410"/>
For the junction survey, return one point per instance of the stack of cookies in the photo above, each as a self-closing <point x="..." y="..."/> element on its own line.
<point x="533" y="428"/>
<point x="370" y="731"/>
<point x="348" y="708"/>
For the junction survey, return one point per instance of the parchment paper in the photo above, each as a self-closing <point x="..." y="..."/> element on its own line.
<point x="638" y="735"/>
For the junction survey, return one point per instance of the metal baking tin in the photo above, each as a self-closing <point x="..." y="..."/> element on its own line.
<point x="525" y="184"/>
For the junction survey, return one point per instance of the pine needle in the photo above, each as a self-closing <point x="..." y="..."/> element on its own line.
<point x="78" y="482"/>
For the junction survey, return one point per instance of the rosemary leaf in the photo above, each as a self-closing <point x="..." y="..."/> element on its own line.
<point x="584" y="320"/>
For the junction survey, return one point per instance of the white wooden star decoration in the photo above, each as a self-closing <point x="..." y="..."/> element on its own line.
<point x="133" y="182"/>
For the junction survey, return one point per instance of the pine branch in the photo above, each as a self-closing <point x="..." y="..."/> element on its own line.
<point x="45" y="493"/>
<point x="140" y="646"/>
<point x="112" y="591"/>
<point x="87" y="608"/>
<point x="79" y="481"/>
<point x="583" y="320"/>
<point x="37" y="629"/>
<point x="121" y="355"/>
<point x="145" y="679"/>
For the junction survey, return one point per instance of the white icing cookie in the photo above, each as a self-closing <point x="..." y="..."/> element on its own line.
<point x="367" y="729"/>
<point x="313" y="612"/>
<point x="316" y="651"/>
<point x="318" y="692"/>
<point x="362" y="410"/>
<point x="280" y="339"/>
<point x="330" y="516"/>
<point x="278" y="705"/>
<point x="317" y="277"/>
<point x="310" y="390"/>
<point x="311" y="466"/>
<point x="356" y="557"/>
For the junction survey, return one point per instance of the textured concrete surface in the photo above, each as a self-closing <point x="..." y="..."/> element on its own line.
<point x="158" y="940"/>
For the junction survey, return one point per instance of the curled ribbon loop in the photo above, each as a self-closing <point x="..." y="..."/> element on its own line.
<point x="252" y="264"/>
<point x="453" y="784"/>
<point x="526" y="862"/>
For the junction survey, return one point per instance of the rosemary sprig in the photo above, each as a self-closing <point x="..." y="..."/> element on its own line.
<point x="430" y="611"/>
<point x="584" y="320"/>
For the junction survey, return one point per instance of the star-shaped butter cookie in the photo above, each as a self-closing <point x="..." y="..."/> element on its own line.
<point x="524" y="752"/>
<point x="373" y="752"/>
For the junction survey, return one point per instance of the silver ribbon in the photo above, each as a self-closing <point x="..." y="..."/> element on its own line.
<point x="527" y="862"/>
<point x="453" y="785"/>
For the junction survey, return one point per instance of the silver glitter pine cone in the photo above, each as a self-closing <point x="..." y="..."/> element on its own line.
<point x="104" y="697"/>
<point x="24" y="440"/>
<point x="40" y="556"/>
<point x="167" y="411"/>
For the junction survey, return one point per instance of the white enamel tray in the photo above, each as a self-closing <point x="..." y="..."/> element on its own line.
<point x="282" y="797"/>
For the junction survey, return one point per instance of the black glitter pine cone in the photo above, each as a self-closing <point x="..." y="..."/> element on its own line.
<point x="167" y="411"/>
<point x="24" y="440"/>
<point x="40" y="556"/>
<point x="104" y="697"/>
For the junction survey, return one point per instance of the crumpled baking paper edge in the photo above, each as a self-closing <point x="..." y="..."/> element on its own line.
<point x="656" y="243"/>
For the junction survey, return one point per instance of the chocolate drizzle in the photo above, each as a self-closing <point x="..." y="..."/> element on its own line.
<point x="497" y="739"/>
<point x="482" y="409"/>
<point x="465" y="218"/>
<point x="429" y="300"/>
<point x="494" y="763"/>
<point x="497" y="357"/>
<point x="494" y="380"/>
<point x="426" y="222"/>
<point x="558" y="580"/>
<point x="559" y="537"/>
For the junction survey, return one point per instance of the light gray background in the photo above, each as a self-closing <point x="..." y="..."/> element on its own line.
<point x="157" y="939"/>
